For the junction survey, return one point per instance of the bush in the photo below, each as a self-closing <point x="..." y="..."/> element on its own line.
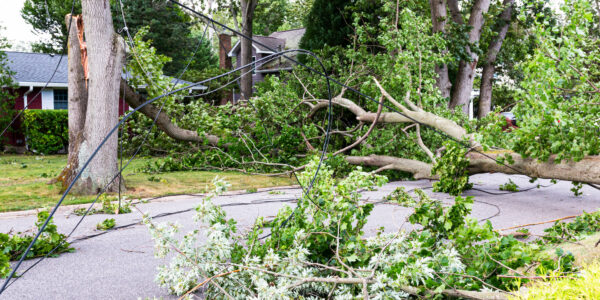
<point x="47" y="131"/>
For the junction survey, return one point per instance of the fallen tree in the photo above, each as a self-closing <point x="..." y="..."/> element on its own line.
<point x="554" y="140"/>
<point x="586" y="170"/>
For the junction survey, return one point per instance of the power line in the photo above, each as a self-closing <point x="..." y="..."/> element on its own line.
<point x="342" y="84"/>
<point x="110" y="133"/>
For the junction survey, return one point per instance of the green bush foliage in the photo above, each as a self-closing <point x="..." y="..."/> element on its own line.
<point x="47" y="131"/>
<point x="452" y="169"/>
<point x="13" y="246"/>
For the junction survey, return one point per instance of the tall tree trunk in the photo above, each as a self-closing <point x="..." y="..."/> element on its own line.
<point x="106" y="54"/>
<point x="438" y="19"/>
<point x="78" y="99"/>
<point x="485" y="90"/>
<point x="247" y="7"/>
<point x="466" y="69"/>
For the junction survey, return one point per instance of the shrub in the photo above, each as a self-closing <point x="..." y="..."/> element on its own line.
<point x="46" y="130"/>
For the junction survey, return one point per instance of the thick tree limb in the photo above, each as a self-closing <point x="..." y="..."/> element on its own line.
<point x="419" y="169"/>
<point x="164" y="121"/>
<point x="423" y="117"/>
<point x="586" y="170"/>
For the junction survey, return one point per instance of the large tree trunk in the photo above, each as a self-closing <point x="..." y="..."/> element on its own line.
<point x="438" y="19"/>
<point x="586" y="170"/>
<point x="466" y="69"/>
<point x="78" y="99"/>
<point x="106" y="54"/>
<point x="485" y="90"/>
<point x="247" y="7"/>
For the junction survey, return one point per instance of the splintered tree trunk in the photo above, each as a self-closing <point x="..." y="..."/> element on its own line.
<point x="247" y="7"/>
<point x="466" y="69"/>
<point x="77" y="102"/>
<point x="105" y="62"/>
<point x="487" y="76"/>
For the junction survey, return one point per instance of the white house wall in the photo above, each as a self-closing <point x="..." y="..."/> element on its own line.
<point x="48" y="99"/>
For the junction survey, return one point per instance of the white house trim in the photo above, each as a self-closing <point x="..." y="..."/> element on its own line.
<point x="232" y="54"/>
<point x="25" y="96"/>
<point x="48" y="99"/>
<point x="42" y="84"/>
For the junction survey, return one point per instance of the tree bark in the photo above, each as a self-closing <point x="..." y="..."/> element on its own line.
<point x="106" y="54"/>
<point x="466" y="70"/>
<point x="163" y="122"/>
<point x="586" y="170"/>
<point x="78" y="98"/>
<point x="438" y="19"/>
<point x="485" y="90"/>
<point x="247" y="7"/>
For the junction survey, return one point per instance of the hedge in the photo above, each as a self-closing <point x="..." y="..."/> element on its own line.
<point x="46" y="130"/>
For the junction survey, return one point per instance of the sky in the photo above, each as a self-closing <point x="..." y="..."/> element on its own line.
<point x="19" y="33"/>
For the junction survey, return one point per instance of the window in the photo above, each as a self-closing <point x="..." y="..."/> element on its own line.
<point x="61" y="99"/>
<point x="253" y="64"/>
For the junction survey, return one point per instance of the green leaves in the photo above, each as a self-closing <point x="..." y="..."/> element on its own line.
<point x="106" y="224"/>
<point x="47" y="131"/>
<point x="13" y="246"/>
<point x="452" y="169"/>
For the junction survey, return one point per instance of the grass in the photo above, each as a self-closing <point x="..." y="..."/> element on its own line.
<point x="586" y="286"/>
<point x="24" y="182"/>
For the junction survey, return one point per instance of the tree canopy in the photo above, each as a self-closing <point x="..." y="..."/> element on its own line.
<point x="170" y="28"/>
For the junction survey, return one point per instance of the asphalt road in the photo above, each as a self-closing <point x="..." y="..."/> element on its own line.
<point x="120" y="264"/>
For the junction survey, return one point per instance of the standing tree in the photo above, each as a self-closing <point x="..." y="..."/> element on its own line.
<point x="247" y="7"/>
<point x="95" y="67"/>
<point x="489" y="67"/>
<point x="466" y="67"/>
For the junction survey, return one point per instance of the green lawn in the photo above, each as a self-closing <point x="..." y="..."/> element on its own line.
<point x="24" y="182"/>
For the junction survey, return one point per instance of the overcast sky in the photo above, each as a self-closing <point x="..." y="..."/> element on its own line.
<point x="19" y="33"/>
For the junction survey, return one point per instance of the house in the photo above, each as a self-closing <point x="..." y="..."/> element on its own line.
<point x="279" y="41"/>
<point x="33" y="72"/>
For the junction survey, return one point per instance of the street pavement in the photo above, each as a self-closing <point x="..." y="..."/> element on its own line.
<point x="120" y="264"/>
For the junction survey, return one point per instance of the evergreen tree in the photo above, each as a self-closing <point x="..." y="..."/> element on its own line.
<point x="328" y="23"/>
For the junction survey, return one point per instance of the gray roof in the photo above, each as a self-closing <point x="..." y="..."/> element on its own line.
<point x="268" y="41"/>
<point x="35" y="69"/>
<point x="291" y="37"/>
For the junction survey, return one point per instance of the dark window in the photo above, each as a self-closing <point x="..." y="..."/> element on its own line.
<point x="61" y="99"/>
